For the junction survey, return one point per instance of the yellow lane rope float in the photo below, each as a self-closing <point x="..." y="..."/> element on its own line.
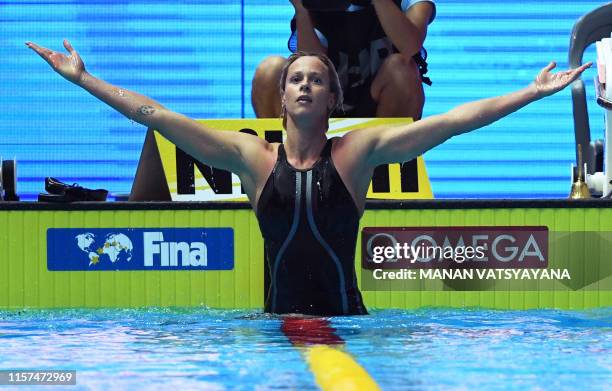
<point x="336" y="370"/>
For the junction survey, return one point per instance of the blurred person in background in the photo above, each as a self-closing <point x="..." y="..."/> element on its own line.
<point x="376" y="46"/>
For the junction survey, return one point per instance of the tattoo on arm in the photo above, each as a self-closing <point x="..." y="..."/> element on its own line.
<point x="146" y="110"/>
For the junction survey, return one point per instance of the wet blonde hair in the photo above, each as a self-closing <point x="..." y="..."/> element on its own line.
<point x="334" y="80"/>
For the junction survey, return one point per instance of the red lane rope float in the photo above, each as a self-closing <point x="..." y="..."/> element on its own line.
<point x="333" y="368"/>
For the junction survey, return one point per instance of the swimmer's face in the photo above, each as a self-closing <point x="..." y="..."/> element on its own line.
<point x="307" y="88"/>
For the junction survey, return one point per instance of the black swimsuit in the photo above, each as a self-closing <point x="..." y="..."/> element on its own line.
<point x="309" y="222"/>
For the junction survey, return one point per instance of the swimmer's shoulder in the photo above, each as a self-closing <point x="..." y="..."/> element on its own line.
<point x="258" y="158"/>
<point x="349" y="144"/>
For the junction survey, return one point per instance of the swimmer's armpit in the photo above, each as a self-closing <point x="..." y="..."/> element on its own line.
<point x="146" y="110"/>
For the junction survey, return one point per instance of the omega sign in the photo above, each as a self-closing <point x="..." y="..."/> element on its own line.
<point x="454" y="247"/>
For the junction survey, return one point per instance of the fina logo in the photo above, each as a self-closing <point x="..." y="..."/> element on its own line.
<point x="117" y="247"/>
<point x="191" y="254"/>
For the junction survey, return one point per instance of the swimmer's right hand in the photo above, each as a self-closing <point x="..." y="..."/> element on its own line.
<point x="70" y="67"/>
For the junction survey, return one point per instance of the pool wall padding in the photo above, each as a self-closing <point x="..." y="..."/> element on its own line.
<point x="25" y="281"/>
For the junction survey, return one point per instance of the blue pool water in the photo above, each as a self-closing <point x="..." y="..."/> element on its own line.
<point x="433" y="349"/>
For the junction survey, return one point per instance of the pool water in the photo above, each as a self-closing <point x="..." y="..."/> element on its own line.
<point x="430" y="349"/>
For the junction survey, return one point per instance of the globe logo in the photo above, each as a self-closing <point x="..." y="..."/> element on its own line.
<point x="115" y="247"/>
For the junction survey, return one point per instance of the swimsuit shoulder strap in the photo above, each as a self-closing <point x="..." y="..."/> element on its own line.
<point x="281" y="155"/>
<point x="327" y="149"/>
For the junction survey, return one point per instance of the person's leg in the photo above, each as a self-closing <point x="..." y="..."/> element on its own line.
<point x="397" y="88"/>
<point x="265" y="95"/>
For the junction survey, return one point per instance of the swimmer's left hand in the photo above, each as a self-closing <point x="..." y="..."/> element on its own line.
<point x="70" y="67"/>
<point x="547" y="83"/>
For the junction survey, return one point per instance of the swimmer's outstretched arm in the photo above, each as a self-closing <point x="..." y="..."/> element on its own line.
<point x="228" y="150"/>
<point x="403" y="143"/>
